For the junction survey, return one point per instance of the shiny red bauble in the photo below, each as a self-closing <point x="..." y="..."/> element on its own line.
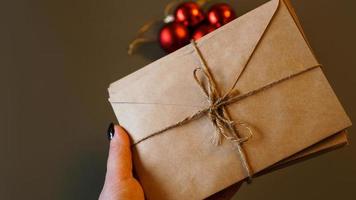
<point x="173" y="36"/>
<point x="202" y="30"/>
<point x="220" y="14"/>
<point x="189" y="14"/>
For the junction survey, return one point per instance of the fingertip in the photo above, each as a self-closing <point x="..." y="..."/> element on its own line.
<point x="119" y="161"/>
<point x="120" y="136"/>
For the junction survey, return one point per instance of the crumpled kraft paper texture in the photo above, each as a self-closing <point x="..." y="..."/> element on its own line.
<point x="182" y="163"/>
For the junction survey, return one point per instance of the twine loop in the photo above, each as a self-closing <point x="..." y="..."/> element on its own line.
<point x="224" y="126"/>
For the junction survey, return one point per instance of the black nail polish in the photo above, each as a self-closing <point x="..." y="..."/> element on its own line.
<point x="111" y="131"/>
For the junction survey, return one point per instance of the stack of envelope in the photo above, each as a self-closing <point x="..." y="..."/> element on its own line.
<point x="292" y="120"/>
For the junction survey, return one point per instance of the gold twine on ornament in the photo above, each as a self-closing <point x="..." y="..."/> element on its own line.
<point x="140" y="38"/>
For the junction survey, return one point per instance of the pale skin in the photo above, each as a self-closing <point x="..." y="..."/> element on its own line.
<point x="120" y="183"/>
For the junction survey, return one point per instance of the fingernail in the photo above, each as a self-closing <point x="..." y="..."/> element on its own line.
<point x="111" y="131"/>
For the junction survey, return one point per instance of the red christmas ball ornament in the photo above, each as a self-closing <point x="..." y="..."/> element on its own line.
<point x="220" y="14"/>
<point x="173" y="36"/>
<point x="202" y="30"/>
<point x="189" y="13"/>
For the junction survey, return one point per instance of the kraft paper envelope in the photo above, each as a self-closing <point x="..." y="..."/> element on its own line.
<point x="291" y="116"/>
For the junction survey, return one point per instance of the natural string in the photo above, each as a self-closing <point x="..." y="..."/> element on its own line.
<point x="234" y="97"/>
<point x="216" y="111"/>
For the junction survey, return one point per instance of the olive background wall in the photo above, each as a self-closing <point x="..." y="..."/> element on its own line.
<point x="57" y="58"/>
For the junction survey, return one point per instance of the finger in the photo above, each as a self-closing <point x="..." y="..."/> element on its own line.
<point x="119" y="164"/>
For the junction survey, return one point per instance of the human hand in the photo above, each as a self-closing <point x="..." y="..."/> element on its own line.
<point x="119" y="181"/>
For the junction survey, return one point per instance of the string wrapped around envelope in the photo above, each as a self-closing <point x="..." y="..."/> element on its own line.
<point x="218" y="114"/>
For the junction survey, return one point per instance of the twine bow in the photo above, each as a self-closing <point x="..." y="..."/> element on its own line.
<point x="216" y="111"/>
<point x="218" y="114"/>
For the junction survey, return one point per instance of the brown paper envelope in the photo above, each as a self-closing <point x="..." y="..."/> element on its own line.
<point x="182" y="163"/>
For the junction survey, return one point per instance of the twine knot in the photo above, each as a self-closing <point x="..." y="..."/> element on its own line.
<point x="224" y="126"/>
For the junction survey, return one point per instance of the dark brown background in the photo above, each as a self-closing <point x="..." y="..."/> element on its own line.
<point x="57" y="59"/>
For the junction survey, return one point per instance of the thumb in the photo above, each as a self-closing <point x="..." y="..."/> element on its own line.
<point x="119" y="166"/>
